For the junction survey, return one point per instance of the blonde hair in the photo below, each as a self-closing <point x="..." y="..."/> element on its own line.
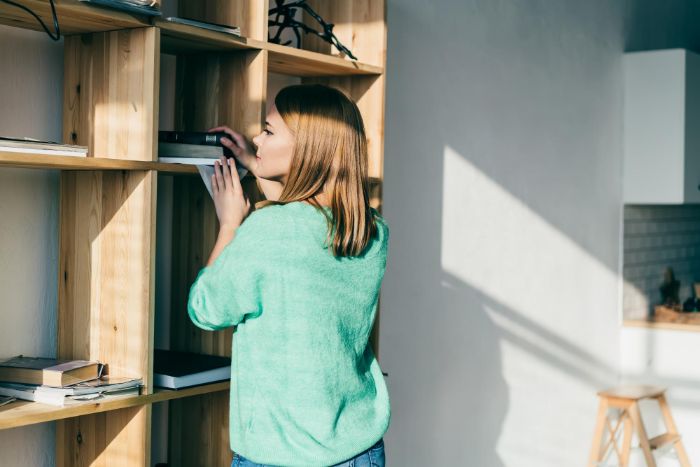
<point x="330" y="155"/>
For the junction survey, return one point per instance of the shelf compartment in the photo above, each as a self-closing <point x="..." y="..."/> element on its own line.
<point x="23" y="413"/>
<point x="180" y="38"/>
<point x="74" y="17"/>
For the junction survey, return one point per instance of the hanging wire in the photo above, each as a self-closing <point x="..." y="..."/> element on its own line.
<point x="55" y="37"/>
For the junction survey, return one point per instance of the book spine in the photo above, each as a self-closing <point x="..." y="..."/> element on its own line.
<point x="191" y="137"/>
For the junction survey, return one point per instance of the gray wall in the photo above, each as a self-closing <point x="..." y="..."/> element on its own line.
<point x="503" y="195"/>
<point x="31" y="81"/>
<point x="502" y="301"/>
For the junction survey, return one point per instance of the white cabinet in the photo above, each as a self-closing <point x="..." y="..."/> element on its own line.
<point x="661" y="127"/>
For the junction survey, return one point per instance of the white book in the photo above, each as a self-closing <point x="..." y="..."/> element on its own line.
<point x="188" y="160"/>
<point x="35" y="146"/>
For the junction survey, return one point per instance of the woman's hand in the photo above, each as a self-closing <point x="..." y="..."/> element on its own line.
<point x="232" y="206"/>
<point x="240" y="147"/>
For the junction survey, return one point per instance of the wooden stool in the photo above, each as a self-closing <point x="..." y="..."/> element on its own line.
<point x="625" y="399"/>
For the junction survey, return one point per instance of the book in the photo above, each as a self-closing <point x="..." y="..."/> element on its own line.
<point x="32" y="392"/>
<point x="176" y="370"/>
<point x="4" y="400"/>
<point x="192" y="137"/>
<point x="48" y="371"/>
<point x="35" y="146"/>
<point x="95" y="386"/>
<point x="235" y="30"/>
<point x="201" y="151"/>
<point x="131" y="6"/>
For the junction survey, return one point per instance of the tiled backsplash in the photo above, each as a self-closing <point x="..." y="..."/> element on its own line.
<point x="656" y="237"/>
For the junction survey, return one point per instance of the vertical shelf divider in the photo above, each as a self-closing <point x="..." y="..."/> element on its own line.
<point x="107" y="235"/>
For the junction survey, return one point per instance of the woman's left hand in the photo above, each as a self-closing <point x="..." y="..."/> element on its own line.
<point x="232" y="206"/>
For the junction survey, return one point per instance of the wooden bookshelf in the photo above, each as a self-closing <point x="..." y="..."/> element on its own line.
<point x="108" y="204"/>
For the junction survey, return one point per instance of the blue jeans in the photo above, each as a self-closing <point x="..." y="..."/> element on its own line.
<point x="372" y="457"/>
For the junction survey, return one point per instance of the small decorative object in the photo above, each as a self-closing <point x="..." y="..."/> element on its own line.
<point x="690" y="304"/>
<point x="669" y="289"/>
<point x="284" y="18"/>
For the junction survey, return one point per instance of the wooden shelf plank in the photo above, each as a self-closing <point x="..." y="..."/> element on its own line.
<point x="297" y="62"/>
<point x="43" y="161"/>
<point x="73" y="17"/>
<point x="179" y="38"/>
<point x="632" y="323"/>
<point x="23" y="413"/>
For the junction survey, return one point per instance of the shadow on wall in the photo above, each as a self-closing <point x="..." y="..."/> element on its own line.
<point x="485" y="326"/>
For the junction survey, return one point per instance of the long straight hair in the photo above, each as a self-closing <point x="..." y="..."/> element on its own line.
<point x="330" y="155"/>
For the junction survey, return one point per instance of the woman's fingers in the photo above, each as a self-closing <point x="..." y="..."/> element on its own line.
<point x="219" y="175"/>
<point x="223" y="128"/>
<point x="233" y="176"/>
<point x="238" y="139"/>
<point x="229" y="144"/>
<point x="226" y="169"/>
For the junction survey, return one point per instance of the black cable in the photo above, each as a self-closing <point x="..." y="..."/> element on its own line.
<point x="53" y="11"/>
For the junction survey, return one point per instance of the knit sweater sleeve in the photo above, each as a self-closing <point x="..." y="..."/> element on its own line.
<point x="228" y="291"/>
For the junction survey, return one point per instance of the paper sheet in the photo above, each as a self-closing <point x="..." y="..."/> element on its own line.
<point x="206" y="172"/>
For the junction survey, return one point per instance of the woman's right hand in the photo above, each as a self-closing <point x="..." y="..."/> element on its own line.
<point x="239" y="146"/>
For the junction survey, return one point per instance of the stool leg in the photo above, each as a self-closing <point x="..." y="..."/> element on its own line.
<point x="671" y="428"/>
<point x="596" y="453"/>
<point x="642" y="434"/>
<point x="627" y="440"/>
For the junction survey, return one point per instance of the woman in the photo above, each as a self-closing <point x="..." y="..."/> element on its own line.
<point x="299" y="278"/>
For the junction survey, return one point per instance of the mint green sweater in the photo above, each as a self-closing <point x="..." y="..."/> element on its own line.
<point x="306" y="388"/>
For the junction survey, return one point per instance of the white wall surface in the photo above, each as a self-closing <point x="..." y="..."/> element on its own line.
<point x="31" y="93"/>
<point x="503" y="193"/>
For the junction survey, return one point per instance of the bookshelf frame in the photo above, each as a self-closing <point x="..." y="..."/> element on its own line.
<point x="109" y="200"/>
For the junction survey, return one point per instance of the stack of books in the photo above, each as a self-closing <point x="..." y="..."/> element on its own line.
<point x="191" y="147"/>
<point x="60" y="382"/>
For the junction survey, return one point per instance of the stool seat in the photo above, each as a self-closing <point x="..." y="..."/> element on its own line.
<point x="633" y="392"/>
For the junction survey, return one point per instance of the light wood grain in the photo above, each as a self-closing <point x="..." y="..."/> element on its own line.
<point x="105" y="289"/>
<point x="42" y="161"/>
<point x="368" y="94"/>
<point x="107" y="234"/>
<point x="299" y="62"/>
<point x="110" y="89"/>
<point x="359" y="25"/>
<point x="631" y="323"/>
<point x="73" y="17"/>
